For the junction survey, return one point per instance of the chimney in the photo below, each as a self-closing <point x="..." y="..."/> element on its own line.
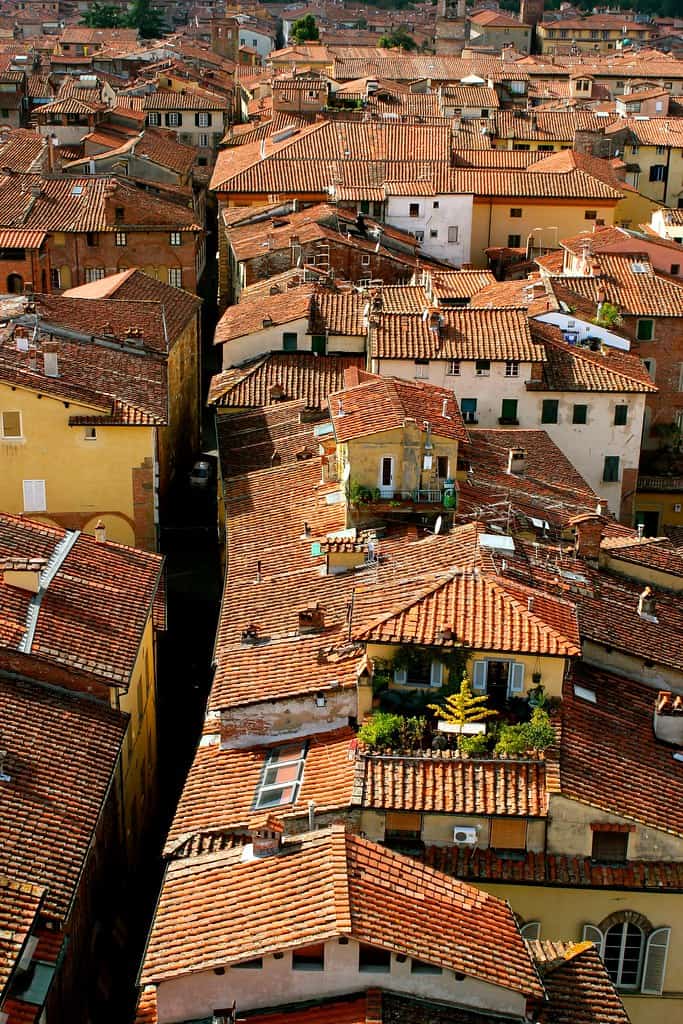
<point x="668" y="717"/>
<point x="516" y="461"/>
<point x="100" y="532"/>
<point x="250" y="635"/>
<point x="587" y="536"/>
<point x="32" y="357"/>
<point x="340" y="408"/>
<point x="276" y="392"/>
<point x="530" y="604"/>
<point x="647" y="605"/>
<point x="266" y="836"/>
<point x="311" y="619"/>
<point x="311" y="815"/>
<point x="50" y="359"/>
<point x="444" y="410"/>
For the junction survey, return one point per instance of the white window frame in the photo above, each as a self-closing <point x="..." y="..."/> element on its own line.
<point x="386" y="490"/>
<point x="120" y="238"/>
<point x="203" y="141"/>
<point x="90" y="434"/>
<point x="55" y="277"/>
<point x="365" y="260"/>
<point x="153" y="119"/>
<point x="453" y="233"/>
<point x="93" y="274"/>
<point x="174" y="119"/>
<point x="480" y="671"/>
<point x="202" y="119"/>
<point x="453" y="368"/>
<point x="531" y="930"/>
<point x="482" y="371"/>
<point x="435" y="677"/>
<point x="176" y="238"/>
<point x="35" y="499"/>
<point x="11" y="437"/>
<point x="512" y="367"/>
<point x="422" y="370"/>
<point x="175" y="277"/>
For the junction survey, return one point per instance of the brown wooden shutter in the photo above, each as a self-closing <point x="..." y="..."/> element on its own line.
<point x="508" y="833"/>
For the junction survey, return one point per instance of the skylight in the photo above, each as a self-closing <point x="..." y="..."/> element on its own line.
<point x="583" y="693"/>
<point x="77" y="190"/>
<point x="282" y="776"/>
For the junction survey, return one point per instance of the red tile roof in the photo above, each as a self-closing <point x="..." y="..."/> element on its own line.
<point x="353" y="887"/>
<point x="253" y="315"/>
<point x="264" y="437"/>
<point x="351" y="1010"/>
<point x="653" y="552"/>
<point x="220" y="790"/>
<point x="58" y="784"/>
<point x="93" y="611"/>
<point x="575" y="368"/>
<point x="385" y="403"/>
<point x="468" y="333"/>
<point x="443" y="785"/>
<point x="577" y="984"/>
<point x="634" y="292"/>
<point x="22" y="150"/>
<point x="20" y="904"/>
<point x="282" y="376"/>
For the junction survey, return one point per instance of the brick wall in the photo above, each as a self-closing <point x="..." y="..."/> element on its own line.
<point x="143" y="506"/>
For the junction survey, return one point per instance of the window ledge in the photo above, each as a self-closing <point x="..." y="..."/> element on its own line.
<point x="13" y="440"/>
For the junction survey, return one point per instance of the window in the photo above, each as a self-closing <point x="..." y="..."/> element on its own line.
<point x="514" y="241"/>
<point x="454" y="368"/>
<point x="90" y="434"/>
<point x="10" y="423"/>
<point x="372" y="960"/>
<point x="91" y="238"/>
<point x="623" y="954"/>
<point x="55" y="278"/>
<point x="203" y="140"/>
<point x="309" y="958"/>
<point x="433" y="232"/>
<point x="516" y="211"/>
<point x="483" y="367"/>
<point x="173" y="120"/>
<point x="421" y="967"/>
<point x="365" y="260"/>
<point x="645" y="330"/>
<point x="176" y="238"/>
<point x="658" y="172"/>
<point x="650" y="365"/>
<point x="153" y="119"/>
<point x="414" y="210"/>
<point x="609" y="846"/>
<point x="120" y="238"/>
<point x="501" y="679"/>
<point x="620" y="415"/>
<point x="508" y="834"/>
<point x="531" y="930"/>
<point x="422" y="671"/>
<point x="580" y="414"/>
<point x="34" y="496"/>
<point x="248" y="965"/>
<point x="419" y="236"/>
<point x="661" y="150"/>
<point x="94" y="274"/>
<point x="435" y="204"/>
<point x="203" y="120"/>
<point x="634" y="150"/>
<point x="512" y="368"/>
<point x="119" y="214"/>
<point x="453" y="234"/>
<point x="402" y="825"/>
<point x="549" y="410"/>
<point x="675" y="268"/>
<point x="610" y="472"/>
<point x="422" y="369"/>
<point x="175" y="277"/>
<point x="281" y="776"/>
<point x="590" y="215"/>
<point x="508" y="410"/>
<point x="468" y="408"/>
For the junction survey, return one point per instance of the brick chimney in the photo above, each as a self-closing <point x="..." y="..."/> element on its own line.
<point x="266" y="836"/>
<point x="516" y="461"/>
<point x="311" y="619"/>
<point x="587" y="536"/>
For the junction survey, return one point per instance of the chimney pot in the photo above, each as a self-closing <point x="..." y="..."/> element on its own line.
<point x="100" y="532"/>
<point x="516" y="461"/>
<point x="311" y="619"/>
<point x="647" y="605"/>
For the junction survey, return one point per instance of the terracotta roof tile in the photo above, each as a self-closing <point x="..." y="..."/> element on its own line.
<point x="349" y="1010"/>
<point x="577" y="984"/>
<point x="574" y="368"/>
<point x="260" y="438"/>
<point x="654" y="552"/>
<point x="352" y="886"/>
<point x="20" y="903"/>
<point x="464" y="334"/>
<point x="634" y="292"/>
<point x="384" y="403"/>
<point x="252" y="315"/>
<point x="22" y="150"/>
<point x="282" y="376"/>
<point x="47" y="818"/>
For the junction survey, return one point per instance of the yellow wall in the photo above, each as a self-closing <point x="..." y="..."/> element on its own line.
<point x="570" y="833"/>
<point x="662" y="502"/>
<point x="84" y="479"/>
<point x="646" y="157"/>
<point x="492" y="223"/>
<point x="563" y="913"/>
<point x="437" y="829"/>
<point x="406" y="446"/>
<point x="139" y="758"/>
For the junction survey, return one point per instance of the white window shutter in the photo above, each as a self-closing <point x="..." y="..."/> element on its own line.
<point x="436" y="674"/>
<point x="479" y="671"/>
<point x="400" y="676"/>
<point x="655" y="962"/>
<point x="531" y="931"/>
<point x="591" y="933"/>
<point x="516" y="683"/>
<point x="34" y="496"/>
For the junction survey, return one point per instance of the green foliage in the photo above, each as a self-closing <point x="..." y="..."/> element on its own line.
<point x="304" y="30"/>
<point x="475" y="746"/>
<point x="399" y="38"/>
<point x="463" y="707"/>
<point x="537" y="734"/>
<point x="609" y="316"/>
<point x="359" y="494"/>
<point x="386" y="731"/>
<point x="102" y="16"/>
<point x="511" y="741"/>
<point x="361" y="23"/>
<point x="148" y="20"/>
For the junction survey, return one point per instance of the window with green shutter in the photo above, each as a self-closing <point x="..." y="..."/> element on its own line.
<point x="549" y="410"/>
<point x="580" y="414"/>
<point x="645" y="330"/>
<point x="508" y="411"/>
<point x="289" y="341"/>
<point x="610" y="473"/>
<point x="620" y="415"/>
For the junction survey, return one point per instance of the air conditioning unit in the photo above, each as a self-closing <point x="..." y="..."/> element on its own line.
<point x="466" y="835"/>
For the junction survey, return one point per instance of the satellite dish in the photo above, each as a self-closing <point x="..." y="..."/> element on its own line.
<point x="437" y="525"/>
<point x="346" y="473"/>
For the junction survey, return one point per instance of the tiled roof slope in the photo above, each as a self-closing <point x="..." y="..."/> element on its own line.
<point x="468" y="333"/>
<point x="449" y="786"/>
<point x="86" y="204"/>
<point x="22" y="150"/>
<point x="93" y="613"/>
<point x="578" y="986"/>
<point x="221" y="788"/>
<point x="260" y="438"/>
<point x="654" y="552"/>
<point x="253" y="315"/>
<point x="106" y="317"/>
<point x="609" y="755"/>
<point x="58" y="784"/>
<point x="349" y="1010"/>
<point x="483" y="613"/>
<point x="353" y="887"/>
<point x="641" y="293"/>
<point x="19" y="906"/>
<point x="555" y="870"/>
<point x="385" y="403"/>
<point x="282" y="376"/>
<point x="134" y="286"/>
<point x="574" y="368"/>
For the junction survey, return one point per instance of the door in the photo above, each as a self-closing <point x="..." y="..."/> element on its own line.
<point x="386" y="476"/>
<point x="649" y="520"/>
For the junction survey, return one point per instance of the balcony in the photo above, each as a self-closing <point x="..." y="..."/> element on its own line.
<point x="660" y="483"/>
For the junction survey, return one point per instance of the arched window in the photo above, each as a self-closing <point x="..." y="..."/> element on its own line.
<point x="15" y="284"/>
<point x="634" y="953"/>
<point x="623" y="954"/>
